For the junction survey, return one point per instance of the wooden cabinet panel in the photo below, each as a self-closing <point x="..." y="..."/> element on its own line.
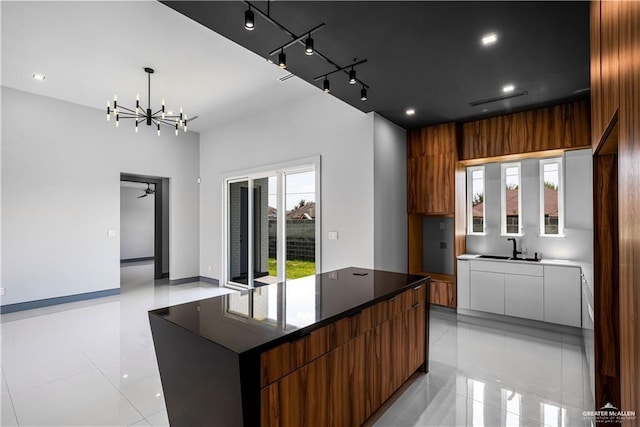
<point x="361" y="322"/>
<point x="339" y="386"/>
<point x="609" y="56"/>
<point x="357" y="379"/>
<point x="287" y="357"/>
<point x="596" y="80"/>
<point x="551" y="128"/>
<point x="399" y="353"/>
<point x="300" y="398"/>
<point x="430" y="184"/>
<point x="373" y="374"/>
<point x="385" y="310"/>
<point x="416" y="336"/>
<point x="443" y="293"/>
<point x="339" y="332"/>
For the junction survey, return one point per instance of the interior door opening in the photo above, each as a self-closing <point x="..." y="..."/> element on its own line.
<point x="156" y="188"/>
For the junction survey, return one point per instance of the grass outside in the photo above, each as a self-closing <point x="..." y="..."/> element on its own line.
<point x="295" y="268"/>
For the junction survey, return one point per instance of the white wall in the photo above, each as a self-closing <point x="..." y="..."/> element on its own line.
<point x="314" y="124"/>
<point x="390" y="195"/>
<point x="136" y="222"/>
<point x="577" y="245"/>
<point x="61" y="166"/>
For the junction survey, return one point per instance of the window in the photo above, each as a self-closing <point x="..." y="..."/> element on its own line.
<point x="551" y="197"/>
<point x="271" y="225"/>
<point x="511" y="200"/>
<point x="475" y="200"/>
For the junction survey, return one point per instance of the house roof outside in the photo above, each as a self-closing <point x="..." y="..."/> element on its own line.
<point x="550" y="203"/>
<point x="308" y="211"/>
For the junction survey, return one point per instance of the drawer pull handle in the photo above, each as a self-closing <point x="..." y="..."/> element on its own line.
<point x="415" y="305"/>
<point x="293" y="341"/>
<point x="417" y="287"/>
<point x="392" y="298"/>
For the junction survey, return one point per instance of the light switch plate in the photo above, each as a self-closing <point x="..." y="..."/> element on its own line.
<point x="111" y="233"/>
<point x="1" y="291"/>
<point x="333" y="235"/>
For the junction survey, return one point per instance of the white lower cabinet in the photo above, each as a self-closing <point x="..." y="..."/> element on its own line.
<point x="523" y="296"/>
<point x="562" y="296"/>
<point x="487" y="291"/>
<point x="463" y="283"/>
<point x="549" y="293"/>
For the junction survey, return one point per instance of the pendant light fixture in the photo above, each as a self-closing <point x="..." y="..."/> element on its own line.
<point x="140" y="115"/>
<point x="249" y="20"/>
<point x="325" y="85"/>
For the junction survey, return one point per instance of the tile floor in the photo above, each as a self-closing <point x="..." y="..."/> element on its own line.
<point x="92" y="363"/>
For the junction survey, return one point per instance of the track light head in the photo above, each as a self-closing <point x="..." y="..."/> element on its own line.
<point x="308" y="46"/>
<point x="352" y="77"/>
<point x="282" y="59"/>
<point x="363" y="94"/>
<point x="249" y="20"/>
<point x="325" y="85"/>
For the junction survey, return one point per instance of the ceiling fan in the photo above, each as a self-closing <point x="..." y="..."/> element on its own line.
<point x="147" y="191"/>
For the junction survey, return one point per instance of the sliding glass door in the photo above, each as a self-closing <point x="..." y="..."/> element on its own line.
<point x="271" y="227"/>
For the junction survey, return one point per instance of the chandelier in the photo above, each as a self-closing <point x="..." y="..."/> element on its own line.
<point x="161" y="117"/>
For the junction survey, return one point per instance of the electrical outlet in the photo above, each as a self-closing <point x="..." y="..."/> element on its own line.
<point x="1" y="291"/>
<point x="333" y="235"/>
<point x="443" y="245"/>
<point x="442" y="226"/>
<point x="209" y="268"/>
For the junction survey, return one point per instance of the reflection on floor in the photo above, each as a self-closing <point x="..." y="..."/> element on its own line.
<point x="92" y="363"/>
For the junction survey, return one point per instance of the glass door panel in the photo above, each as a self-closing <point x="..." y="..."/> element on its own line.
<point x="238" y="232"/>
<point x="300" y="227"/>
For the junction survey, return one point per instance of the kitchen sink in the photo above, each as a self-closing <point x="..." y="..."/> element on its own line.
<point x="509" y="258"/>
<point x="494" y="257"/>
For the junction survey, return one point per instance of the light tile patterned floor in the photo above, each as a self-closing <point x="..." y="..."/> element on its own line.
<point x="92" y="363"/>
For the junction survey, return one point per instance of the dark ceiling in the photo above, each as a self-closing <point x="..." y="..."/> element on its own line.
<point x="424" y="55"/>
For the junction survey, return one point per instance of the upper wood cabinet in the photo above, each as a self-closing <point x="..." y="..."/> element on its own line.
<point x="605" y="67"/>
<point x="560" y="127"/>
<point x="431" y="160"/>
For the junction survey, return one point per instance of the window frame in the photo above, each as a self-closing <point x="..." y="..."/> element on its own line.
<point x="470" y="231"/>
<point x="561" y="182"/>
<point x="503" y="198"/>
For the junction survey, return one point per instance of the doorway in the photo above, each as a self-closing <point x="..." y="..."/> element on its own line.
<point x="158" y="188"/>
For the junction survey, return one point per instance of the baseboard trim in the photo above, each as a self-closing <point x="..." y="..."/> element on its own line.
<point x="210" y="280"/>
<point x="184" y="280"/>
<point x="29" y="305"/>
<point x="125" y="261"/>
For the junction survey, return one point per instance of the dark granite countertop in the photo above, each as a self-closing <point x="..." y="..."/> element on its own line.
<point x="263" y="317"/>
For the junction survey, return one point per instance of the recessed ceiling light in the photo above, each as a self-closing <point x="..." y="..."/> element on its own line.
<point x="37" y="76"/>
<point x="410" y="112"/>
<point x="489" y="39"/>
<point x="508" y="88"/>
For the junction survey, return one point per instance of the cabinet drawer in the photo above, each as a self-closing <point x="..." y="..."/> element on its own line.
<point x="442" y="293"/>
<point x="415" y="295"/>
<point x="385" y="310"/>
<point x="361" y="322"/>
<point x="287" y="357"/>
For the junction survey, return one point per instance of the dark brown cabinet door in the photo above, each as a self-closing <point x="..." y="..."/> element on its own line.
<point x="416" y="334"/>
<point x="299" y="399"/>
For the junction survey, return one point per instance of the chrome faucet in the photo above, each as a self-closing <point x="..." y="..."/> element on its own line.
<point x="516" y="252"/>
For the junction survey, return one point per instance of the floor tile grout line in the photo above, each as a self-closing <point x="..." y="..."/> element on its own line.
<point x="123" y="395"/>
<point x="15" y="414"/>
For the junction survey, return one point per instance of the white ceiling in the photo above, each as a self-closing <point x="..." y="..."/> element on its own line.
<point x="90" y="50"/>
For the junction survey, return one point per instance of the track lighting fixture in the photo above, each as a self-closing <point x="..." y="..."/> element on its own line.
<point x="308" y="45"/>
<point x="352" y="76"/>
<point x="282" y="59"/>
<point x="309" y="49"/>
<point x="249" y="20"/>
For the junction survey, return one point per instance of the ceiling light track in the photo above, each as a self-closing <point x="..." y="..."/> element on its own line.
<point x="306" y="40"/>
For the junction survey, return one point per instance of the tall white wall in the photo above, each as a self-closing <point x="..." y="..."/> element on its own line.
<point x="61" y="166"/>
<point x="136" y="223"/>
<point x="576" y="245"/>
<point x="313" y="124"/>
<point x="390" y="195"/>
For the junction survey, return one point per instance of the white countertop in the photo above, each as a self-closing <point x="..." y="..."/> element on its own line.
<point x="544" y="261"/>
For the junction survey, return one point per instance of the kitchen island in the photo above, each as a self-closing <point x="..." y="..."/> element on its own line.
<point x="325" y="350"/>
